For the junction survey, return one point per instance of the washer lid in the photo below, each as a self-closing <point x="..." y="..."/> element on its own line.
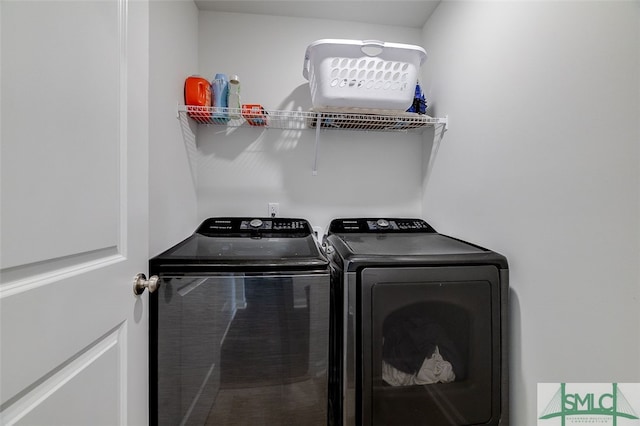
<point x="247" y="242"/>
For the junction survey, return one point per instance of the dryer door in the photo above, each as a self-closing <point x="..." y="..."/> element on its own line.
<point x="430" y="345"/>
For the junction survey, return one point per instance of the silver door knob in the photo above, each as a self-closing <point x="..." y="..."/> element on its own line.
<point x="140" y="282"/>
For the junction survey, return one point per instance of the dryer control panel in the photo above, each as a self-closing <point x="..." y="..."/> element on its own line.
<point x="377" y="225"/>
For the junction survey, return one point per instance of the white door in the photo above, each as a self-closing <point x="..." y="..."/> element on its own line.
<point x="74" y="141"/>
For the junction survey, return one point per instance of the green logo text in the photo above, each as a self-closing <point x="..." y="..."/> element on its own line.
<point x="612" y="404"/>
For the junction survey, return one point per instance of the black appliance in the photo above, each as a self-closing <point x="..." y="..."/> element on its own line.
<point x="419" y="330"/>
<point x="239" y="326"/>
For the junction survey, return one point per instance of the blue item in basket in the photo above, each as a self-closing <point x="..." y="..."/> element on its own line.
<point x="220" y="98"/>
<point x="419" y="104"/>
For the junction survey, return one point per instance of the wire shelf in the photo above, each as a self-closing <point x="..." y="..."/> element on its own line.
<point x="339" y="119"/>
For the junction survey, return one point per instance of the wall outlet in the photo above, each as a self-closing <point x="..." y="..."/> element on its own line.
<point x="274" y="209"/>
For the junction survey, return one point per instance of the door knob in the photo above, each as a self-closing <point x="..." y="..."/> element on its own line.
<point x="140" y="282"/>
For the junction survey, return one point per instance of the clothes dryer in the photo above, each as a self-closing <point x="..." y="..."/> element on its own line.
<point x="419" y="330"/>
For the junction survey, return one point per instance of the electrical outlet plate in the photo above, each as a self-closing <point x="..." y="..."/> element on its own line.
<point x="274" y="209"/>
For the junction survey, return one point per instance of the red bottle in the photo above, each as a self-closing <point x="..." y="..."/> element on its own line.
<point x="197" y="97"/>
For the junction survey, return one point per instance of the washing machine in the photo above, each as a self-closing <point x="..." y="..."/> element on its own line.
<point x="239" y="326"/>
<point x="419" y="330"/>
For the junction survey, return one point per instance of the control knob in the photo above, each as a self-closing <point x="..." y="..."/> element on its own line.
<point x="382" y="223"/>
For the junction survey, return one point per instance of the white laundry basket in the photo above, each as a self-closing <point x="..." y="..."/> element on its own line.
<point x="368" y="74"/>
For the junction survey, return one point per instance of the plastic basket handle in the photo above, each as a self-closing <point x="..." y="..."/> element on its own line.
<point x="372" y="47"/>
<point x="305" y="66"/>
<point x="369" y="48"/>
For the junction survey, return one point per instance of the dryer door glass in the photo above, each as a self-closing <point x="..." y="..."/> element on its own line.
<point x="430" y="346"/>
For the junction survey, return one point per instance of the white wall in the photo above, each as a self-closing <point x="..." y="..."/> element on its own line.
<point x="542" y="163"/>
<point x="173" y="56"/>
<point x="240" y="171"/>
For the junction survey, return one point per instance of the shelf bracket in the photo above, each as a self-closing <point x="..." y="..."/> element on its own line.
<point x="315" y="155"/>
<point x="437" y="139"/>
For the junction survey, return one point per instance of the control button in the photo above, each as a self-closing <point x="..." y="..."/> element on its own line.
<point x="382" y="223"/>
<point x="255" y="223"/>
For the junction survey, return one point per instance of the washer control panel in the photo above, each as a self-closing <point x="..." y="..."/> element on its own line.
<point x="274" y="224"/>
<point x="377" y="225"/>
<point x="241" y="226"/>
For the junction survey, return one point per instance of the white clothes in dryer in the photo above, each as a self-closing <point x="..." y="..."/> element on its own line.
<point x="434" y="369"/>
